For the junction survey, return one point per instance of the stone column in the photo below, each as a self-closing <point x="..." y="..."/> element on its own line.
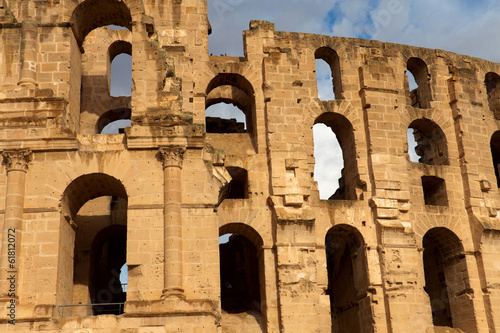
<point x="16" y="163"/>
<point x="29" y="34"/>
<point x="172" y="165"/>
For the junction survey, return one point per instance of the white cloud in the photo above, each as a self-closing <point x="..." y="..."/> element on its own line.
<point x="225" y="111"/>
<point x="328" y="160"/>
<point x="324" y="80"/>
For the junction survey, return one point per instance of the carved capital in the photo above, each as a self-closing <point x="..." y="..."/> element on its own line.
<point x="172" y="156"/>
<point x="17" y="159"/>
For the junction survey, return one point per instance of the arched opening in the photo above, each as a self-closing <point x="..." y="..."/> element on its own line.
<point x="238" y="186"/>
<point x="420" y="96"/>
<point x="495" y="154"/>
<point x="328" y="74"/>
<point x="329" y="162"/>
<point x="107" y="258"/>
<point x="120" y="69"/>
<point x="106" y="68"/>
<point x="347" y="280"/>
<point x="331" y="157"/>
<point x="117" y="126"/>
<point x="432" y="147"/>
<point x="232" y="89"/>
<point x="96" y="206"/>
<point x="447" y="280"/>
<point x="241" y="274"/>
<point x="492" y="81"/>
<point x="411" y="81"/>
<point x="412" y="145"/>
<point x="113" y="121"/>
<point x="324" y="80"/>
<point x="225" y="118"/>
<point x="92" y="14"/>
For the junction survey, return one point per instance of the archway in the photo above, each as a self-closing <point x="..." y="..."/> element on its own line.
<point x="421" y="96"/>
<point x="114" y="121"/>
<point x="108" y="255"/>
<point x="96" y="205"/>
<point x="344" y="133"/>
<point x="347" y="280"/>
<point x="241" y="273"/>
<point x="92" y="14"/>
<point x="236" y="90"/>
<point x="495" y="154"/>
<point x="330" y="57"/>
<point x="432" y="146"/>
<point x="492" y="81"/>
<point x="446" y="279"/>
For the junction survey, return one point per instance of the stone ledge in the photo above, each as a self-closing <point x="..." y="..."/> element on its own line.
<point x="170" y="306"/>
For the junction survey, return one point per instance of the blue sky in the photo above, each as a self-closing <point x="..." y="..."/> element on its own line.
<point x="462" y="26"/>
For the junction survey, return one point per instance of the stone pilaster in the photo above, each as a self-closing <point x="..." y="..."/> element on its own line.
<point x="16" y="164"/>
<point x="172" y="165"/>
<point x="29" y="34"/>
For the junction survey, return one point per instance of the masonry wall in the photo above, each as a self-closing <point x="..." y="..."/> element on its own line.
<point x="357" y="262"/>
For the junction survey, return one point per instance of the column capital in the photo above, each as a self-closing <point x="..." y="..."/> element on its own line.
<point x="172" y="156"/>
<point x="17" y="159"/>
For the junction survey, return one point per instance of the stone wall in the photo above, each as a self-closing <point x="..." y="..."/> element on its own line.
<point x="402" y="246"/>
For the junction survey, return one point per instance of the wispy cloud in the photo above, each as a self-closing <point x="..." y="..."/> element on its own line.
<point x="462" y="26"/>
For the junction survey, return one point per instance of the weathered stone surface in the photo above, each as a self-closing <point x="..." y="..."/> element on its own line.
<point x="401" y="246"/>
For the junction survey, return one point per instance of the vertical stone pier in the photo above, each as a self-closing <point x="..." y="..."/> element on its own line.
<point x="16" y="163"/>
<point x="172" y="164"/>
<point x="29" y="34"/>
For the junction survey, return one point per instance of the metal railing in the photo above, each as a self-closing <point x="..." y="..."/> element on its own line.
<point x="96" y="308"/>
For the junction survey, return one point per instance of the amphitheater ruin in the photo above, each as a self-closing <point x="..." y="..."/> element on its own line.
<point x="402" y="246"/>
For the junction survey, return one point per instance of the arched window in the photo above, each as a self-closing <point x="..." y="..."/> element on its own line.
<point x="225" y="118"/>
<point x="421" y="95"/>
<point x="432" y="147"/>
<point x="242" y="288"/>
<point x="108" y="256"/>
<point x="412" y="145"/>
<point x="495" y="154"/>
<point x="106" y="68"/>
<point x="113" y="121"/>
<point x="90" y="15"/>
<point x="328" y="74"/>
<point x="120" y="68"/>
<point x="492" y="82"/>
<point x="447" y="280"/>
<point x="329" y="162"/>
<point x="96" y="204"/>
<point x="328" y="150"/>
<point x="231" y="89"/>
<point x="347" y="280"/>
